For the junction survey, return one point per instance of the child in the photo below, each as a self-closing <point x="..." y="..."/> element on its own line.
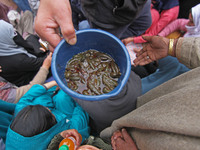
<point x="34" y="129"/>
<point x="17" y="57"/>
<point x="163" y="12"/>
<point x="191" y="26"/>
<point x="11" y="93"/>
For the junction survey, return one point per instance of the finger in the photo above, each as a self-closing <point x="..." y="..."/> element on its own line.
<point x="140" y="56"/>
<point x="51" y="48"/>
<point x="128" y="139"/>
<point x="119" y="142"/>
<point x="113" y="143"/>
<point x="136" y="50"/>
<point x="73" y="132"/>
<point x="87" y="147"/>
<point x="42" y="49"/>
<point x="50" y="54"/>
<point x="117" y="134"/>
<point x="123" y="41"/>
<point x="69" y="35"/>
<point x="142" y="59"/>
<point x="147" y="38"/>
<point x="48" y="32"/>
<point x="67" y="27"/>
<point x="126" y="136"/>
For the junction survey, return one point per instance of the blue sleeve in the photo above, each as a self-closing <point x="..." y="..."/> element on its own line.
<point x="64" y="103"/>
<point x="79" y="121"/>
<point x="7" y="107"/>
<point x="36" y="95"/>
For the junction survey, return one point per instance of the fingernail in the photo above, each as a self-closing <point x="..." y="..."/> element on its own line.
<point x="72" y="41"/>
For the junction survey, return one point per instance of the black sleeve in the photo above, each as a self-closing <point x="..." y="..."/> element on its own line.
<point x="18" y="39"/>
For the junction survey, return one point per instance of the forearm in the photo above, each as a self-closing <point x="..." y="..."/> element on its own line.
<point x="188" y="51"/>
<point x="38" y="79"/>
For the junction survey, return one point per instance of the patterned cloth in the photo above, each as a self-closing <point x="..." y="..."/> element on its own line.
<point x="132" y="47"/>
<point x="7" y="91"/>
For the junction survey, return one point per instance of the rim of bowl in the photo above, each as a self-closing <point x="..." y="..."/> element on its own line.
<point x="74" y="94"/>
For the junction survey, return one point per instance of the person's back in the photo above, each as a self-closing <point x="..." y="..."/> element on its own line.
<point x="19" y="65"/>
<point x="61" y="109"/>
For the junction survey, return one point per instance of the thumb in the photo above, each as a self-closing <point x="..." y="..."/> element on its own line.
<point x="69" y="34"/>
<point x="147" y="38"/>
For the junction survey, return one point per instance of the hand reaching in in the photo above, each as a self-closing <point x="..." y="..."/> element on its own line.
<point x="72" y="132"/>
<point x="47" y="62"/>
<point x="155" y="48"/>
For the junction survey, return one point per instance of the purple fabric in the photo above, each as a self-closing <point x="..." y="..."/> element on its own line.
<point x="3" y="12"/>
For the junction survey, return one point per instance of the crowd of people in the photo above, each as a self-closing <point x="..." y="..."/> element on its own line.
<point x="158" y="108"/>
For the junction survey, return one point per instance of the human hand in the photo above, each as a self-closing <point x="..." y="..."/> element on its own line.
<point x="87" y="147"/>
<point x="122" y="140"/>
<point x="51" y="15"/>
<point x="42" y="49"/>
<point x="72" y="132"/>
<point x="156" y="48"/>
<point x="50" y="84"/>
<point x="127" y="40"/>
<point x="0" y="69"/>
<point x="47" y="62"/>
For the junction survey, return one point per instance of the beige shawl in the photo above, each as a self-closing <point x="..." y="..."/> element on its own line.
<point x="168" y="116"/>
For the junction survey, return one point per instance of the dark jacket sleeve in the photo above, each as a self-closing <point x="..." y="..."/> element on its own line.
<point x="18" y="39"/>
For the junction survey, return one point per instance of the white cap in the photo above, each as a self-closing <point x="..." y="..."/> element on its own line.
<point x="13" y="15"/>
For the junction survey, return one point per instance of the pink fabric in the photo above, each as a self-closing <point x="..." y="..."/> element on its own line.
<point x="178" y="24"/>
<point x="165" y="17"/>
<point x="132" y="47"/>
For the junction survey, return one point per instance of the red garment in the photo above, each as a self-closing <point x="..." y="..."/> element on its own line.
<point x="159" y="21"/>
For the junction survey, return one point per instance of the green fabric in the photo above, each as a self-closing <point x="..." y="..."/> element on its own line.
<point x="55" y="142"/>
<point x="98" y="142"/>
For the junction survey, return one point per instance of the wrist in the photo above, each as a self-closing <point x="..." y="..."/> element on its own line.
<point x="45" y="87"/>
<point x="172" y="47"/>
<point x="45" y="67"/>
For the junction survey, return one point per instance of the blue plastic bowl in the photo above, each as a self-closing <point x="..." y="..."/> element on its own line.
<point x="91" y="39"/>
